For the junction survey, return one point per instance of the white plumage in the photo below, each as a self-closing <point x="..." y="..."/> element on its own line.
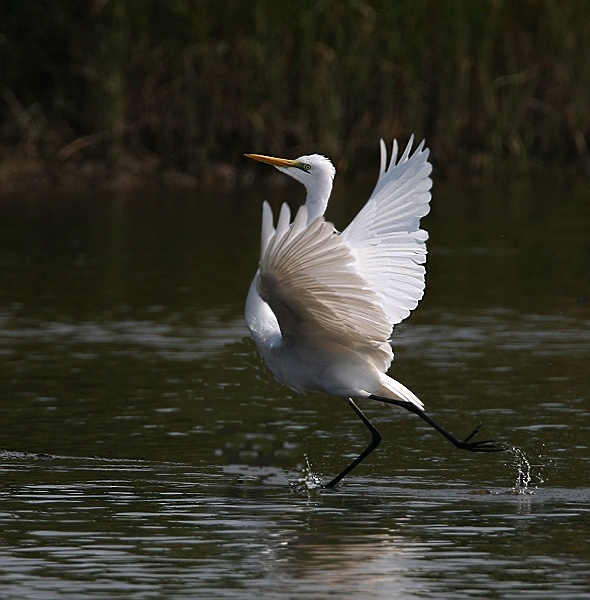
<point x="322" y="305"/>
<point x="335" y="298"/>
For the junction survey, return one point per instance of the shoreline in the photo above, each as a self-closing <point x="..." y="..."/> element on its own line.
<point x="20" y="175"/>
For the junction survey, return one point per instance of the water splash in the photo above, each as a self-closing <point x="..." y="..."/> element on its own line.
<point x="524" y="474"/>
<point x="309" y="480"/>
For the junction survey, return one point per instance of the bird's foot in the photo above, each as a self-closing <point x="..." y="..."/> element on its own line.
<point x="481" y="446"/>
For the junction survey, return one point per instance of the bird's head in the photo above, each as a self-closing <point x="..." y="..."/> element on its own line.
<point x="314" y="171"/>
<point x="306" y="169"/>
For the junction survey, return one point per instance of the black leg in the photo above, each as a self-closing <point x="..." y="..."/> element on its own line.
<point x="483" y="446"/>
<point x="375" y="440"/>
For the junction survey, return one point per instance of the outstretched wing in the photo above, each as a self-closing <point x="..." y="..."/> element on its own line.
<point x="385" y="237"/>
<point x="308" y="276"/>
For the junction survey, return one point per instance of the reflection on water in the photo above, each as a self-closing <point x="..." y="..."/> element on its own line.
<point x="147" y="453"/>
<point x="130" y="528"/>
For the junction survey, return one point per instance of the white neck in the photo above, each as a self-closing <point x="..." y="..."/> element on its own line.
<point x="317" y="198"/>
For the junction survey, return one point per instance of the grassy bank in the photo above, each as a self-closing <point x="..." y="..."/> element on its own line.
<point x="107" y="86"/>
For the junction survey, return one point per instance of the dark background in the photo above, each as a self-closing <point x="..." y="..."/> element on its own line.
<point x="93" y="89"/>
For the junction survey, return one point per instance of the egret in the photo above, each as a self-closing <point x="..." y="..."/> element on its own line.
<point x="323" y="304"/>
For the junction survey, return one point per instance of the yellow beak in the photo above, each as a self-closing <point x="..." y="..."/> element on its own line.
<point x="271" y="160"/>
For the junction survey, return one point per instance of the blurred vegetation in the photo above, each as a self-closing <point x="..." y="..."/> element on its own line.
<point x="187" y="86"/>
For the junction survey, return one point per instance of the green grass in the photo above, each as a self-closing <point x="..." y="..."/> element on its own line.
<point x="186" y="85"/>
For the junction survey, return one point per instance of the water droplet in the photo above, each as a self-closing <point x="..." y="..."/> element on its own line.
<point x="309" y="480"/>
<point x="522" y="485"/>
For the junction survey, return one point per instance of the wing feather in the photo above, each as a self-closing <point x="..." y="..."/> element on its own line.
<point x="308" y="276"/>
<point x="268" y="229"/>
<point x="385" y="236"/>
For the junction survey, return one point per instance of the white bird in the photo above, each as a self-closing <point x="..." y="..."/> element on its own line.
<point x="322" y="306"/>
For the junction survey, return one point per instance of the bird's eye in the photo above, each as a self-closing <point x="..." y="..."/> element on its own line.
<point x="307" y="167"/>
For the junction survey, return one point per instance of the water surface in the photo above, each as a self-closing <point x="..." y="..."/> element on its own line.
<point x="146" y="453"/>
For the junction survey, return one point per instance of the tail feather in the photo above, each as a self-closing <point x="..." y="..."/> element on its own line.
<point x="399" y="391"/>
